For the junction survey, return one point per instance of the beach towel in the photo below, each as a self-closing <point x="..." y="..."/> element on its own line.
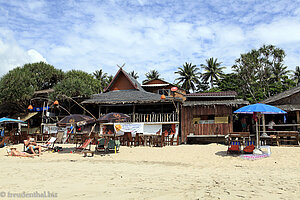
<point x="254" y="156"/>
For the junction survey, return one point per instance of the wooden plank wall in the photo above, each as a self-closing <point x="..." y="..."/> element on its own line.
<point x="188" y="113"/>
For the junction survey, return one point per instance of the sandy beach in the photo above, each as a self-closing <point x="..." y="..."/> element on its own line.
<point x="172" y="172"/>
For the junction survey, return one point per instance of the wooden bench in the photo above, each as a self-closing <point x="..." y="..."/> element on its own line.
<point x="287" y="136"/>
<point x="85" y="153"/>
<point x="239" y="136"/>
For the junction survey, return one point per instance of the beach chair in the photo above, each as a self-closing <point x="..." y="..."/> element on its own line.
<point x="84" y="145"/>
<point x="101" y="145"/>
<point x="4" y="141"/>
<point x="49" y="143"/>
<point x="234" y="147"/>
<point x="250" y="146"/>
<point x="112" y="144"/>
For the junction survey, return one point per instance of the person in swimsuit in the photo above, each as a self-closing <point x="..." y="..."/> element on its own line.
<point x="31" y="146"/>
<point x="14" y="152"/>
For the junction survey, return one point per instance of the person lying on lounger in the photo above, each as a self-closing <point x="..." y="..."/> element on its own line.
<point x="14" y="152"/>
<point x="31" y="146"/>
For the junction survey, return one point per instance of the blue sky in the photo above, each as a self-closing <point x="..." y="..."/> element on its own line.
<point x="162" y="35"/>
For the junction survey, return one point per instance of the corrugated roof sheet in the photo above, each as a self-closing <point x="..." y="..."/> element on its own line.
<point x="213" y="94"/>
<point x="209" y="103"/>
<point x="282" y="95"/>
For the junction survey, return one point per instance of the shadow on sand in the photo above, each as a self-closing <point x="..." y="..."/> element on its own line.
<point x="225" y="154"/>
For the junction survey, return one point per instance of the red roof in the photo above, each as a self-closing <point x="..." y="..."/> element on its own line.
<point x="213" y="94"/>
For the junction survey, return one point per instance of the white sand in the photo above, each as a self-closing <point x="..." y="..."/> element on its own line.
<point x="173" y="172"/>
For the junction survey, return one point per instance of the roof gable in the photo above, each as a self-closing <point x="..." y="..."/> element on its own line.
<point x="123" y="81"/>
<point x="156" y="81"/>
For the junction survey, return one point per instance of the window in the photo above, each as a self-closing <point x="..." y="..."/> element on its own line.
<point x="166" y="92"/>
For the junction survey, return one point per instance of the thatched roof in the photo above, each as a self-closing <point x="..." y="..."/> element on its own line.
<point x="127" y="97"/>
<point x="282" y="95"/>
<point x="235" y="102"/>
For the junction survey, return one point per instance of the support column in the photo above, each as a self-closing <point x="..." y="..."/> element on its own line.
<point x="99" y="111"/>
<point x="264" y="123"/>
<point x="133" y="113"/>
<point x="298" y="118"/>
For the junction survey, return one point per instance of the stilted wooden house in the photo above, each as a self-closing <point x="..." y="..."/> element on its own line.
<point x="125" y="95"/>
<point x="205" y="116"/>
<point x="288" y="101"/>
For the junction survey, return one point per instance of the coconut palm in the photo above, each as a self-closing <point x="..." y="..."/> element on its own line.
<point x="213" y="71"/>
<point x="189" y="76"/>
<point x="102" y="78"/>
<point x="297" y="74"/>
<point x="134" y="74"/>
<point x="152" y="74"/>
<point x="279" y="71"/>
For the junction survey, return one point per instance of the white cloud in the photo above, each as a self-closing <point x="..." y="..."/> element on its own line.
<point x="145" y="34"/>
<point x="13" y="55"/>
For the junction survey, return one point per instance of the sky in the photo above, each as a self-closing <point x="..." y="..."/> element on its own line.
<point x="144" y="34"/>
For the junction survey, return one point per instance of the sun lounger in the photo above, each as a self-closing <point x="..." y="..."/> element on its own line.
<point x="49" y="143"/>
<point x="4" y="141"/>
<point x="234" y="148"/>
<point x="250" y="146"/>
<point x="84" y="145"/>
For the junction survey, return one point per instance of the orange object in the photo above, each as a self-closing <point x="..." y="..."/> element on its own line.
<point x="30" y="107"/>
<point x="162" y="96"/>
<point x="55" y="102"/>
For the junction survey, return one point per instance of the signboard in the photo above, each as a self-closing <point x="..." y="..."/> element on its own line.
<point x="133" y="128"/>
<point x="221" y="120"/>
<point x="50" y="129"/>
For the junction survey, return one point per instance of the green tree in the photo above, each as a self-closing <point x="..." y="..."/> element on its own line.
<point x="189" y="76"/>
<point x="77" y="84"/>
<point x="261" y="73"/>
<point x="102" y="78"/>
<point x="296" y="76"/>
<point x="152" y="74"/>
<point x="18" y="85"/>
<point x="212" y="71"/>
<point x="134" y="74"/>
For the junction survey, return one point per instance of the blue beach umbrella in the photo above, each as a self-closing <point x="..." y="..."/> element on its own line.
<point x="259" y="108"/>
<point x="9" y="120"/>
<point x="5" y="120"/>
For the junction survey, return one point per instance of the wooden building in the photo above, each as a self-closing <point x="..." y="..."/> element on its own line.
<point x="125" y="95"/>
<point x="160" y="86"/>
<point x="288" y="101"/>
<point x="208" y="114"/>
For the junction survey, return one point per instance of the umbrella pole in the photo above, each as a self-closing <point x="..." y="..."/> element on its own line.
<point x="257" y="140"/>
<point x="264" y="123"/>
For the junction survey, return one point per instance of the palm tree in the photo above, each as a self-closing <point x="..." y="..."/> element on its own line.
<point x="297" y="74"/>
<point x="213" y="71"/>
<point x="102" y="78"/>
<point x="279" y="71"/>
<point x="134" y="74"/>
<point x="152" y="74"/>
<point x="189" y="76"/>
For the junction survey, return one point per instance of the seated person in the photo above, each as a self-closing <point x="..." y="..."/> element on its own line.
<point x="14" y="152"/>
<point x="30" y="146"/>
<point x="271" y="125"/>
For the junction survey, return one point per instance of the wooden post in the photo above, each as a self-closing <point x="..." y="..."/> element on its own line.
<point x="298" y="117"/>
<point x="42" y="121"/>
<point x="99" y="111"/>
<point x="133" y="113"/>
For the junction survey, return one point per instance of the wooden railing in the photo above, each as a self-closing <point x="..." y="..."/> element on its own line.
<point x="154" y="117"/>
